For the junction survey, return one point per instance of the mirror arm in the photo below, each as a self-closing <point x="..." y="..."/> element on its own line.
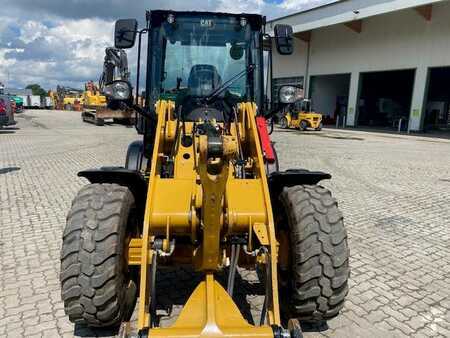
<point x="138" y="109"/>
<point x="143" y="31"/>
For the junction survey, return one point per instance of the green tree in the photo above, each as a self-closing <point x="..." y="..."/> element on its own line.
<point x="36" y="89"/>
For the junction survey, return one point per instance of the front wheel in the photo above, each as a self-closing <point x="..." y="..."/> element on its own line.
<point x="96" y="284"/>
<point x="317" y="282"/>
<point x="284" y="124"/>
<point x="303" y="125"/>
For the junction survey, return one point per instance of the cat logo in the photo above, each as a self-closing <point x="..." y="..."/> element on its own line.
<point x="207" y="23"/>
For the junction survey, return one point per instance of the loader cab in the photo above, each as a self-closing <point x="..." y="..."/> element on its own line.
<point x="205" y="62"/>
<point x="205" y="59"/>
<point x="199" y="59"/>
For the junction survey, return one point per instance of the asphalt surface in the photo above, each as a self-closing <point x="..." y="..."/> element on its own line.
<point x="394" y="192"/>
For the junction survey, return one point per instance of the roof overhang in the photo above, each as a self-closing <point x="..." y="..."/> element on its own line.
<point x="345" y="12"/>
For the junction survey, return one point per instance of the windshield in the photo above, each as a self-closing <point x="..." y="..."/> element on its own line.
<point x="202" y="69"/>
<point x="303" y="105"/>
<point x="202" y="54"/>
<point x="196" y="55"/>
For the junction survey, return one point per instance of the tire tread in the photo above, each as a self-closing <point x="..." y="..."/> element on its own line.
<point x="92" y="279"/>
<point x="319" y="251"/>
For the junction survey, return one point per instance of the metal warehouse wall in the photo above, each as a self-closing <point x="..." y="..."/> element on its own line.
<point x="398" y="40"/>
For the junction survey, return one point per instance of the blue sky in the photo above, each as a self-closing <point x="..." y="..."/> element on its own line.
<point x="54" y="42"/>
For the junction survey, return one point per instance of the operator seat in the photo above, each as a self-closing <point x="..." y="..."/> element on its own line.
<point x="203" y="80"/>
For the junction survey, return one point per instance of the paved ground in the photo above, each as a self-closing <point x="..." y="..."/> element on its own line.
<point x="394" y="192"/>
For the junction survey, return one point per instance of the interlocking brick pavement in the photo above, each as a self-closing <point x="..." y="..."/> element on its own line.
<point x="394" y="192"/>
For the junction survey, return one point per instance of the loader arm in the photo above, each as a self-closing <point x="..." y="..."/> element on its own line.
<point x="210" y="204"/>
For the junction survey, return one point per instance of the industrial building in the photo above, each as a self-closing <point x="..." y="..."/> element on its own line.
<point x="18" y="92"/>
<point x="372" y="63"/>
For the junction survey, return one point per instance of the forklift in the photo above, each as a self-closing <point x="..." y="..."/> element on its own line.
<point x="297" y="111"/>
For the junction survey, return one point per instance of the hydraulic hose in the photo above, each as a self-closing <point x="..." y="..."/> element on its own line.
<point x="235" y="250"/>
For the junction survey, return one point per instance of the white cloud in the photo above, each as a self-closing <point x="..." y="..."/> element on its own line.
<point x="295" y="5"/>
<point x="69" y="52"/>
<point x="63" y="42"/>
<point x="32" y="30"/>
<point x="241" y="6"/>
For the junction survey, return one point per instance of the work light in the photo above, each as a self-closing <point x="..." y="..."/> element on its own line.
<point x="118" y="90"/>
<point x="290" y="94"/>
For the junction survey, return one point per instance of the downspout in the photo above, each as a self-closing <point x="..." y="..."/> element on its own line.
<point x="306" y="81"/>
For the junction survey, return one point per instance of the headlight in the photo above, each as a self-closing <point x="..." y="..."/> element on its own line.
<point x="118" y="90"/>
<point x="290" y="94"/>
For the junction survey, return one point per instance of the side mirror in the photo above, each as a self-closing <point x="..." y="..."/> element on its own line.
<point x="125" y="33"/>
<point x="283" y="39"/>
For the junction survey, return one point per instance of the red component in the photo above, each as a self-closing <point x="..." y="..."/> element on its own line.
<point x="2" y="107"/>
<point x="264" y="138"/>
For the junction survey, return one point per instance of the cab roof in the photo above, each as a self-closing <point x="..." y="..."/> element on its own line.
<point x="156" y="17"/>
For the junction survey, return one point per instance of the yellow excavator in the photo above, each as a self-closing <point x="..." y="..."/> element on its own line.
<point x="98" y="102"/>
<point x="65" y="98"/>
<point x="201" y="190"/>
<point x="92" y="98"/>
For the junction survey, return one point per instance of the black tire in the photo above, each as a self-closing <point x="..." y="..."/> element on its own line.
<point x="94" y="274"/>
<point x="319" y="254"/>
<point x="270" y="125"/>
<point x="319" y="128"/>
<point x="303" y="125"/>
<point x="99" y="122"/>
<point x="284" y="123"/>
<point x="135" y="159"/>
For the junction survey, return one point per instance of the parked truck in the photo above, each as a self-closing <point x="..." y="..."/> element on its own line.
<point x="34" y="101"/>
<point x="46" y="102"/>
<point x="6" y="111"/>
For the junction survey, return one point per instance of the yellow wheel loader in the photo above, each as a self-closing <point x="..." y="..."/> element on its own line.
<point x="202" y="190"/>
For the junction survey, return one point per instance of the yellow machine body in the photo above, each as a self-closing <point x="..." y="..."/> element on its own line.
<point x="210" y="312"/>
<point x="218" y="204"/>
<point x="93" y="99"/>
<point x="312" y="119"/>
<point x="72" y="99"/>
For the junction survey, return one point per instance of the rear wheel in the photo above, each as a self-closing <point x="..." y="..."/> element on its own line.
<point x="284" y="123"/>
<point x="95" y="280"/>
<point x="319" y="128"/>
<point x="317" y="282"/>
